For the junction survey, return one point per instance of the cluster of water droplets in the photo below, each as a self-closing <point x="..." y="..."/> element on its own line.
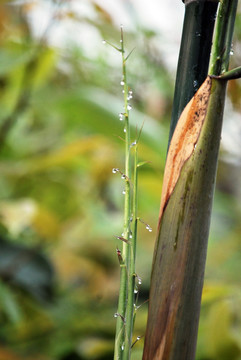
<point x="121" y="116"/>
<point x="195" y="85"/>
<point x="115" y="170"/>
<point x="148" y="228"/>
<point x="123" y="177"/>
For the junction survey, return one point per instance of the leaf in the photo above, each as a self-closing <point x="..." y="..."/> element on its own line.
<point x="184" y="139"/>
<point x="44" y="67"/>
<point x="9" y="304"/>
<point x="143" y="163"/>
<point x="11" y="59"/>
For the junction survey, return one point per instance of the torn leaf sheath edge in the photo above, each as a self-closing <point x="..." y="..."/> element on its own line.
<point x="184" y="140"/>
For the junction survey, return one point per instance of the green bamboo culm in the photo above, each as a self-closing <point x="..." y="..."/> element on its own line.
<point x="181" y="246"/>
<point x="194" y="53"/>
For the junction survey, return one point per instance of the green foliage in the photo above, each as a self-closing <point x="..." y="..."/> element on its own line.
<point x="59" y="131"/>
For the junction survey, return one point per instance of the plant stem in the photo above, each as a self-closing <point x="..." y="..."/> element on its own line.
<point x="223" y="37"/>
<point x="132" y="271"/>
<point x="121" y="318"/>
<point x="180" y="252"/>
<point x="194" y="54"/>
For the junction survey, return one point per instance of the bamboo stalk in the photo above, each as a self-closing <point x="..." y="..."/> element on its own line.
<point x="189" y="180"/>
<point x="194" y="54"/>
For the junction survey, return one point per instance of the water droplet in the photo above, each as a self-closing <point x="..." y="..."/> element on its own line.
<point x="103" y="41"/>
<point x="135" y="291"/>
<point x="123" y="176"/>
<point x="150" y="229"/>
<point x="131" y="218"/>
<point x="115" y="315"/>
<point x="122" y="347"/>
<point x="124" y="130"/>
<point x="195" y="146"/>
<point x="231" y="52"/>
<point x="129" y="107"/>
<point x="122" y="83"/>
<point x="134" y="143"/>
<point x="130" y="92"/>
<point x="139" y="280"/>
<point x="138" y="338"/>
<point x="123" y="91"/>
<point x="123" y="192"/>
<point x="121" y="116"/>
<point x="114" y="170"/>
<point x="130" y="236"/>
<point x="195" y="84"/>
<point x="121" y="40"/>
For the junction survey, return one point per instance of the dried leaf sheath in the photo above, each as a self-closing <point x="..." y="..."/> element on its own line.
<point x="177" y="275"/>
<point x="184" y="139"/>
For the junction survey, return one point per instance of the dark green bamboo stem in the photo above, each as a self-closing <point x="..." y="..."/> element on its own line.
<point x="180" y="252"/>
<point x="194" y="53"/>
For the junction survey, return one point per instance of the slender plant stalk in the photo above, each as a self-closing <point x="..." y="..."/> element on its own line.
<point x="127" y="257"/>
<point x="180" y="252"/>
<point x="223" y="35"/>
<point x="121" y="312"/>
<point x="132" y="270"/>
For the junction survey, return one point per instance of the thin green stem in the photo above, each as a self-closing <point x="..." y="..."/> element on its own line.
<point x="121" y="318"/>
<point x="132" y="270"/>
<point x="230" y="75"/>
<point x="223" y="37"/>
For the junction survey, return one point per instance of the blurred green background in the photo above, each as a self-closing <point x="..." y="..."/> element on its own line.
<point x="60" y="204"/>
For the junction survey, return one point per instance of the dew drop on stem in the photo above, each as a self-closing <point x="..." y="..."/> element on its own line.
<point x="129" y="107"/>
<point x="103" y="41"/>
<point x="121" y="116"/>
<point x="148" y="228"/>
<point x="122" y="83"/>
